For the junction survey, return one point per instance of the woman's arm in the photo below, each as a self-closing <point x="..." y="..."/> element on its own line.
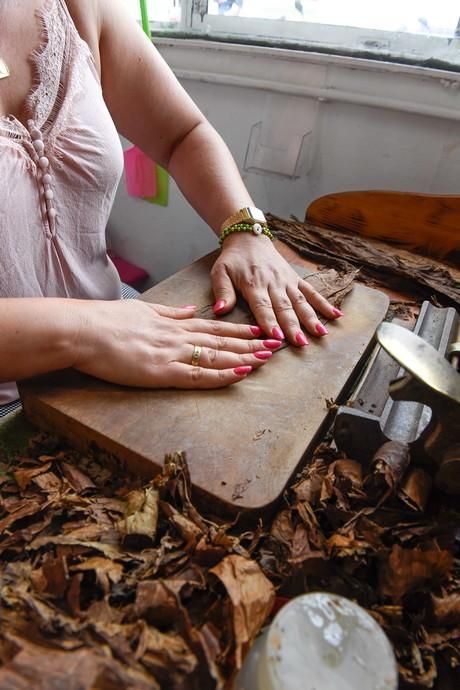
<point x="152" y="110"/>
<point x="129" y="342"/>
<point x="36" y="335"/>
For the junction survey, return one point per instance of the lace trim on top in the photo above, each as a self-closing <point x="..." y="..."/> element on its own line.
<point x="51" y="87"/>
<point x="49" y="60"/>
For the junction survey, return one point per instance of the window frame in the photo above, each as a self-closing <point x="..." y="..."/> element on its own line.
<point x="399" y="47"/>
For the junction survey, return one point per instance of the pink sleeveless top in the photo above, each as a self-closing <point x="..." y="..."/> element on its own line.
<point x="59" y="174"/>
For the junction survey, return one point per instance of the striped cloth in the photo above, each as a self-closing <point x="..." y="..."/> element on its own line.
<point x="127" y="292"/>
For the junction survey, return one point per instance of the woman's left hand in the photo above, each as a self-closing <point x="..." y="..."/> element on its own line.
<point x="281" y="302"/>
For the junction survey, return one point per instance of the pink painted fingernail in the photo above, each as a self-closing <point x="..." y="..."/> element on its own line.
<point x="263" y="354"/>
<point x="219" y="305"/>
<point x="242" y="371"/>
<point x="189" y="306"/>
<point x="271" y="344"/>
<point x="337" y="312"/>
<point x="277" y="333"/>
<point x="321" y="330"/>
<point x="255" y="330"/>
<point x="301" y="338"/>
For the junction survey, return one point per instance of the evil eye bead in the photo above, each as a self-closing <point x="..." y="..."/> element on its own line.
<point x="257" y="229"/>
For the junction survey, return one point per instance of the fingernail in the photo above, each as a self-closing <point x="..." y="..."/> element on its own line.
<point x="219" y="305"/>
<point x="271" y="344"/>
<point x="242" y="371"/>
<point x="277" y="333"/>
<point x="321" y="330"/>
<point x="301" y="338"/>
<point x="189" y="306"/>
<point x="255" y="330"/>
<point x="337" y="312"/>
<point x="263" y="354"/>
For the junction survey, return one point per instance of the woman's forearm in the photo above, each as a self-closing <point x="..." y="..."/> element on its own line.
<point x="37" y="335"/>
<point x="207" y="175"/>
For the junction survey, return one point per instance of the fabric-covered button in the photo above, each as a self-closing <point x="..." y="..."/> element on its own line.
<point x="43" y="162"/>
<point x="35" y="134"/>
<point x="49" y="194"/>
<point x="30" y="123"/>
<point x="52" y="213"/>
<point x="47" y="178"/>
<point x="39" y="146"/>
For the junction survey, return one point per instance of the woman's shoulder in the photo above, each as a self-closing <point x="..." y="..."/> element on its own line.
<point x="86" y="15"/>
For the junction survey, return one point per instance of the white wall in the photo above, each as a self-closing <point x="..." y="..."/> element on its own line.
<point x="299" y="126"/>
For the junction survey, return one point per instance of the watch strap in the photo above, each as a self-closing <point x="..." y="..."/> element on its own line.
<point x="248" y="214"/>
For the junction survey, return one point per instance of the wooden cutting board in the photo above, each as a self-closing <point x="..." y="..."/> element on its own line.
<point x="242" y="443"/>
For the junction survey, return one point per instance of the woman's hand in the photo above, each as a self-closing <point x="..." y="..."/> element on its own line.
<point x="282" y="303"/>
<point x="139" y="344"/>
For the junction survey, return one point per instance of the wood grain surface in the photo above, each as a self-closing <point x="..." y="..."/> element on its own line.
<point x="421" y="222"/>
<point x="242" y="443"/>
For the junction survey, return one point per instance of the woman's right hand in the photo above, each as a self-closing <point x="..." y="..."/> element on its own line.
<point x="135" y="343"/>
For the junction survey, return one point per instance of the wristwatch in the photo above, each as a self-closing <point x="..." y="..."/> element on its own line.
<point x="248" y="214"/>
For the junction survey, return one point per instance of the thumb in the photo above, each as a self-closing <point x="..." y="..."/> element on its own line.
<point x="223" y="289"/>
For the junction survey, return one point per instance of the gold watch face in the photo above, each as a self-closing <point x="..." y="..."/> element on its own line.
<point x="4" y="70"/>
<point x="256" y="214"/>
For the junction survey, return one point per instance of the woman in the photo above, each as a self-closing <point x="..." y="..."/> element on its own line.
<point x="78" y="71"/>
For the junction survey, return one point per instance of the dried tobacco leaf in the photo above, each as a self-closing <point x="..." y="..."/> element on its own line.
<point x="407" y="569"/>
<point x="166" y="654"/>
<point x="158" y="617"/>
<point x="252" y="596"/>
<point x="446" y="609"/>
<point x="81" y="669"/>
<point x="79" y="481"/>
<point x="139" y="525"/>
<point x="388" y="467"/>
<point x="415" y="489"/>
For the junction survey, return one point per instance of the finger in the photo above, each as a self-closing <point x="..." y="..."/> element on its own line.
<point x="175" y="312"/>
<point x="223" y="328"/>
<point x="223" y="289"/>
<point x="235" y="345"/>
<point x="178" y="375"/>
<point x="284" y="304"/>
<point x="209" y="358"/>
<point x="261" y="306"/>
<point x="306" y="314"/>
<point x="318" y="302"/>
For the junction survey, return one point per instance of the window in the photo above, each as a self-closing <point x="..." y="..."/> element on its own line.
<point x="411" y="31"/>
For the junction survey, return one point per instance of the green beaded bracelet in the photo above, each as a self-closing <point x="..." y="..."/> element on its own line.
<point x="255" y="228"/>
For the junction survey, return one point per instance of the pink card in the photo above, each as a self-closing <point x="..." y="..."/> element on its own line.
<point x="140" y="173"/>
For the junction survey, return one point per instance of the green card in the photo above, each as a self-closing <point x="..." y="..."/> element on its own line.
<point x="162" y="195"/>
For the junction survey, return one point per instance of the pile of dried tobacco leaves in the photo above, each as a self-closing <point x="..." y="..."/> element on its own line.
<point x="108" y="582"/>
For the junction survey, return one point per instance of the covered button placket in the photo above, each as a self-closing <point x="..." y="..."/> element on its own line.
<point x="43" y="168"/>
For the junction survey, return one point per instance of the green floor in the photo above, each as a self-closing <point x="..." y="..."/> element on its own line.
<point x="15" y="432"/>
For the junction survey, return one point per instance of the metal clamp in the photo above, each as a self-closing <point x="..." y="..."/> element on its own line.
<point x="432" y="381"/>
<point x="382" y="409"/>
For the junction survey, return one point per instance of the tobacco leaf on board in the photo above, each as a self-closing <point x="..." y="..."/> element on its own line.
<point x="384" y="263"/>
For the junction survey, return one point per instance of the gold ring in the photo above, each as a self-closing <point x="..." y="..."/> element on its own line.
<point x="196" y="354"/>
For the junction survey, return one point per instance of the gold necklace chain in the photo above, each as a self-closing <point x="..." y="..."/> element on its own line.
<point x="4" y="69"/>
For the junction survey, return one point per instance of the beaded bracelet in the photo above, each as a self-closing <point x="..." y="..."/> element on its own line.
<point x="255" y="228"/>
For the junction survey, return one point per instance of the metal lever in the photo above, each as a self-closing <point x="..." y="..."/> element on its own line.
<point x="432" y="381"/>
